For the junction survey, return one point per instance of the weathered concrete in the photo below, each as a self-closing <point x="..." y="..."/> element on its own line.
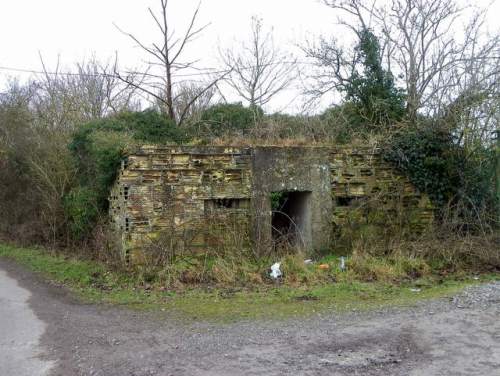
<point x="292" y="169"/>
<point x="20" y="332"/>
<point x="180" y="194"/>
<point x="192" y="198"/>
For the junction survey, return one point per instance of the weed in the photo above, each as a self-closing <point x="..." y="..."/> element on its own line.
<point x="305" y="290"/>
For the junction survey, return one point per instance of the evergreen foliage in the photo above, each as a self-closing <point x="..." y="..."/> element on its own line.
<point x="81" y="207"/>
<point x="429" y="155"/>
<point x="377" y="101"/>
<point x="98" y="149"/>
<point x="229" y="118"/>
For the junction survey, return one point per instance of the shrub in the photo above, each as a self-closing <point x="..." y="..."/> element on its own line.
<point x="341" y="120"/>
<point x="146" y="126"/>
<point x="98" y="155"/>
<point x="429" y="157"/>
<point x="451" y="175"/>
<point x="229" y="118"/>
<point x="151" y="126"/>
<point x="81" y="208"/>
<point x="98" y="149"/>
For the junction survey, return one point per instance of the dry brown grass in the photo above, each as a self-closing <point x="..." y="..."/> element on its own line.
<point x="299" y="131"/>
<point x="481" y="253"/>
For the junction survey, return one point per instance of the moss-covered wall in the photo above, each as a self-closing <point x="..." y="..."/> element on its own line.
<point x="178" y="193"/>
<point x="372" y="200"/>
<point x="194" y="198"/>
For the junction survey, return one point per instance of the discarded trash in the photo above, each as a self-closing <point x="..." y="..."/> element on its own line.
<point x="476" y="278"/>
<point x="275" y="271"/>
<point x="324" y="266"/>
<point x="342" y="263"/>
<point x="308" y="262"/>
<point x="415" y="290"/>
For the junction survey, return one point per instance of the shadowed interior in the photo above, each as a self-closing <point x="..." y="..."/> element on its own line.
<point x="291" y="219"/>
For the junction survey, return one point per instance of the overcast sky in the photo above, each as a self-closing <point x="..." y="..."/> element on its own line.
<point x="75" y="29"/>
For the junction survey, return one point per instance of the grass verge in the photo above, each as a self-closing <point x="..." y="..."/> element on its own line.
<point x="92" y="282"/>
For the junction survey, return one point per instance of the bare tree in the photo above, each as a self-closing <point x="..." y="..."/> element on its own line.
<point x="38" y="170"/>
<point x="259" y="70"/>
<point x="186" y="92"/>
<point x="166" y="55"/>
<point x="99" y="92"/>
<point x="427" y="45"/>
<point x="334" y="64"/>
<point x="62" y="100"/>
<point x="423" y="42"/>
<point x="37" y="121"/>
<point x="332" y="68"/>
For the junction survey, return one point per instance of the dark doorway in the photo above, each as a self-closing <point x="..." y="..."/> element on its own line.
<point x="291" y="219"/>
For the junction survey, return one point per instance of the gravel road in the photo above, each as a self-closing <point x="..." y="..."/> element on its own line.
<point x="20" y="332"/>
<point x="459" y="336"/>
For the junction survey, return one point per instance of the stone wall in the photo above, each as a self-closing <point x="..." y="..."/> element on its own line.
<point x="194" y="198"/>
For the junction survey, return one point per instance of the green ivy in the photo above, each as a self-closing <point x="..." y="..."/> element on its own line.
<point x="277" y="200"/>
<point x="376" y="99"/>
<point x="80" y="205"/>
<point x="98" y="149"/>
<point x="429" y="155"/>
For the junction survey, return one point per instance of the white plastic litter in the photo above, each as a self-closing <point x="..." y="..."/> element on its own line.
<point x="308" y="262"/>
<point x="275" y="270"/>
<point x="342" y="264"/>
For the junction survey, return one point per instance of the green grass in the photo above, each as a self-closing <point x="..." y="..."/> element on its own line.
<point x="92" y="282"/>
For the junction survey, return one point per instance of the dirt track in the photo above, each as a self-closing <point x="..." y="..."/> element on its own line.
<point x="457" y="337"/>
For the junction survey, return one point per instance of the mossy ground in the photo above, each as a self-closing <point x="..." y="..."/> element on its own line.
<point x="93" y="282"/>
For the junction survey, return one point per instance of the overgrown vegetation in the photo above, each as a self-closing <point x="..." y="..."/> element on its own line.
<point x="374" y="100"/>
<point x="227" y="119"/>
<point x="460" y="182"/>
<point x="306" y="290"/>
<point x="63" y="137"/>
<point x="98" y="149"/>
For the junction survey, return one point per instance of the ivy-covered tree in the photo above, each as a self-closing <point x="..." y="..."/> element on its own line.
<point x="378" y="102"/>
<point x="371" y="98"/>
